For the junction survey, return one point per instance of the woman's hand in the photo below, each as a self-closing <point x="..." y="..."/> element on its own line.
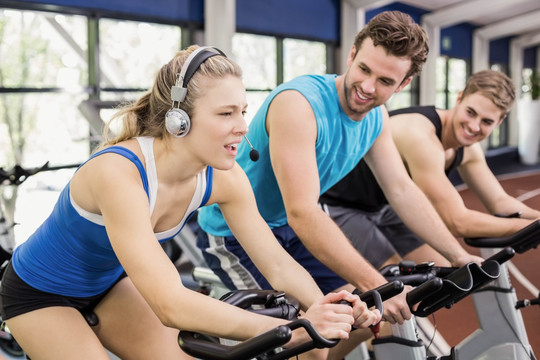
<point x="334" y="319"/>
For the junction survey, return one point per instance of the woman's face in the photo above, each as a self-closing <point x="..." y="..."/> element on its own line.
<point x="218" y="123"/>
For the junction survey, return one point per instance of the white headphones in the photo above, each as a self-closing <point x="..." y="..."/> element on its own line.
<point x="177" y="121"/>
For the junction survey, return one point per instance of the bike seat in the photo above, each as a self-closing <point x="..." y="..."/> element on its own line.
<point x="521" y="241"/>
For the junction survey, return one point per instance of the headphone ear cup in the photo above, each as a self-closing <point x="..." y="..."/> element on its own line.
<point x="177" y="122"/>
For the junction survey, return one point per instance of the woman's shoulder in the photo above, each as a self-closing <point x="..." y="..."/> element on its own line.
<point x="227" y="183"/>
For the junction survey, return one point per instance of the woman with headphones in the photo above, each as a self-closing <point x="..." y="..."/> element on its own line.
<point x="99" y="251"/>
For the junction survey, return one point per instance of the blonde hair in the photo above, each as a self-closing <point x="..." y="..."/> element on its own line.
<point x="146" y="116"/>
<point x="494" y="85"/>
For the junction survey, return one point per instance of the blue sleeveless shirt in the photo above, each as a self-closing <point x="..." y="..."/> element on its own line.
<point x="341" y="143"/>
<point x="70" y="253"/>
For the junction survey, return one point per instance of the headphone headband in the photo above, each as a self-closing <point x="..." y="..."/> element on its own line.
<point x="192" y="63"/>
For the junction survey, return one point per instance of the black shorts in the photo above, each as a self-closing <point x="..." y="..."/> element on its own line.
<point x="17" y="297"/>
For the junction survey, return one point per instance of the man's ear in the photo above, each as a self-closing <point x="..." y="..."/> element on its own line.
<point x="403" y="84"/>
<point x="350" y="58"/>
<point x="459" y="96"/>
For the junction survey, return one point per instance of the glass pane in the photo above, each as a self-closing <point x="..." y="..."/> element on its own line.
<point x="256" y="55"/>
<point x="131" y="52"/>
<point x="440" y="100"/>
<point x="42" y="50"/>
<point x="255" y="100"/>
<point x="457" y="69"/>
<point x="303" y="57"/>
<point x="526" y="81"/>
<point x="400" y="100"/>
<point x="495" y="138"/>
<point x="452" y="98"/>
<point x="123" y="96"/>
<point x="42" y="128"/>
<point x="440" y="73"/>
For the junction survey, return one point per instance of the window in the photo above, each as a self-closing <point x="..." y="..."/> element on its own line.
<point x="268" y="61"/>
<point x="451" y="77"/>
<point x="257" y="56"/>
<point x="43" y="77"/>
<point x="39" y="95"/>
<point x="131" y="51"/>
<point x="406" y="97"/>
<point x="302" y="57"/>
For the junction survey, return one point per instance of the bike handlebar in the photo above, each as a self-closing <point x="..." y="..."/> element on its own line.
<point x="442" y="289"/>
<point x="200" y="346"/>
<point x="521" y="241"/>
<point x="194" y="345"/>
<point x="276" y="303"/>
<point x="422" y="291"/>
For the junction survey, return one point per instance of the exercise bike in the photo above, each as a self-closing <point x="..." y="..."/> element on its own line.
<point x="502" y="333"/>
<point x="269" y="345"/>
<point x="501" y="336"/>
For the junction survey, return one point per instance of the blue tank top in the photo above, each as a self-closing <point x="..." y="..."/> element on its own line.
<point x="70" y="253"/>
<point x="341" y="143"/>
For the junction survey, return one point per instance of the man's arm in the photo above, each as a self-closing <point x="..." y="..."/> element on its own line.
<point x="409" y="202"/>
<point x="478" y="176"/>
<point x="292" y="128"/>
<point x="426" y="165"/>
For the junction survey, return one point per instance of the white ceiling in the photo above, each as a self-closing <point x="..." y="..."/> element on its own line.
<point x="482" y="12"/>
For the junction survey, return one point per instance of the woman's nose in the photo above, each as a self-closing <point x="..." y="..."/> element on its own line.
<point x="241" y="127"/>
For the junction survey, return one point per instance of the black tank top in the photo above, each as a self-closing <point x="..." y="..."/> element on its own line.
<point x="359" y="189"/>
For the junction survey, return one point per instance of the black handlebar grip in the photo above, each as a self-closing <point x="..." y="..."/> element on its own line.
<point x="502" y="256"/>
<point x="372" y="298"/>
<point x="390" y="289"/>
<point x="386" y="291"/>
<point x="418" y="293"/>
<point x="204" y="349"/>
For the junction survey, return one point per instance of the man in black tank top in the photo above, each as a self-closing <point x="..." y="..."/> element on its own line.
<point x="432" y="143"/>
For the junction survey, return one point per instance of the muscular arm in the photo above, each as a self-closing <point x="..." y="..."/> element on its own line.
<point x="476" y="174"/>
<point x="426" y="166"/>
<point x="293" y="132"/>
<point x="408" y="200"/>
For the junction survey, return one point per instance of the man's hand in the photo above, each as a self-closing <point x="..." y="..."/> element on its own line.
<point x="396" y="309"/>
<point x="466" y="259"/>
